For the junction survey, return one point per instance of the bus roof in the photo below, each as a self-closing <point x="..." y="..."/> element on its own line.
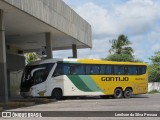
<point x="84" y="60"/>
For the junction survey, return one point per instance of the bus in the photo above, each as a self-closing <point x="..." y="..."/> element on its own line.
<point x="58" y="78"/>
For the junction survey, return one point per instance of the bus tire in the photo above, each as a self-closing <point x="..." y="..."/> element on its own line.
<point x="118" y="93"/>
<point x="56" y="94"/>
<point x="128" y="93"/>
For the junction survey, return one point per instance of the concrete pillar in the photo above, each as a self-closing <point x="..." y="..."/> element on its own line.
<point x="3" y="70"/>
<point x="74" y="50"/>
<point x="8" y="83"/>
<point x="48" y="45"/>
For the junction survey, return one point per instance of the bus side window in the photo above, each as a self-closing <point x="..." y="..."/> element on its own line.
<point x="95" y="69"/>
<point x="132" y="70"/>
<point x="80" y="69"/>
<point x="66" y="69"/>
<point x="144" y="69"/>
<point x="126" y="70"/>
<point x="141" y="70"/>
<point x="92" y="69"/>
<point x="73" y="70"/>
<point x="109" y="70"/>
<point x="89" y="70"/>
<point x="118" y="70"/>
<point x="121" y="70"/>
<point x="102" y="70"/>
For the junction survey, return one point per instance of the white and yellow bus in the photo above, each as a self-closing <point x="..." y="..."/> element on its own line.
<point x="58" y="78"/>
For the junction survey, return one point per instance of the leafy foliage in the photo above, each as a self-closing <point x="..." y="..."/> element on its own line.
<point x="121" y="50"/>
<point x="121" y="46"/>
<point x="120" y="57"/>
<point x="154" y="68"/>
<point x="156" y="58"/>
<point x="154" y="73"/>
<point x="31" y="57"/>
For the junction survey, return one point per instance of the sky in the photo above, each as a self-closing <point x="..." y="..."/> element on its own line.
<point x="137" y="19"/>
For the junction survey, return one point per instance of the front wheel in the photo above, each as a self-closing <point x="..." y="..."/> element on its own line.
<point x="118" y="93"/>
<point x="128" y="93"/>
<point x="57" y="94"/>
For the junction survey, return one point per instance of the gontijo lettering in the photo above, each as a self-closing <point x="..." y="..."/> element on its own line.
<point x="115" y="78"/>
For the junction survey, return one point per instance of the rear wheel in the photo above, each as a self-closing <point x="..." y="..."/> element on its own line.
<point x="118" y="93"/>
<point x="128" y="93"/>
<point x="57" y="94"/>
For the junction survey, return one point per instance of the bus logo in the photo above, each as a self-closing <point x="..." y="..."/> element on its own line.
<point x="115" y="78"/>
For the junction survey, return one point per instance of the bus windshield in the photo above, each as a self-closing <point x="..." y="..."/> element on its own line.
<point x="35" y="74"/>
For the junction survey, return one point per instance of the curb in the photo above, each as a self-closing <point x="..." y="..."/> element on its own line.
<point x="36" y="100"/>
<point x="25" y="102"/>
<point x="17" y="104"/>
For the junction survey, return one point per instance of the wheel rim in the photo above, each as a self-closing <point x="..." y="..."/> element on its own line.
<point x="118" y="93"/>
<point x="128" y="93"/>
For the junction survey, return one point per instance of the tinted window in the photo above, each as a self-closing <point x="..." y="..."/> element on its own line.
<point x="89" y="69"/>
<point x="144" y="69"/>
<point x="96" y="69"/>
<point x="69" y="69"/>
<point x="80" y="69"/>
<point x="109" y="70"/>
<point x="116" y="71"/>
<point x="132" y="70"/>
<point x="102" y="69"/>
<point x="41" y="73"/>
<point x="126" y="70"/>
<point x="92" y="69"/>
<point x="66" y="69"/>
<point x="40" y="76"/>
<point x="119" y="70"/>
<point x="73" y="69"/>
<point x="141" y="70"/>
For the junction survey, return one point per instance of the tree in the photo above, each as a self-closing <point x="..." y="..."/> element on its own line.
<point x="154" y="73"/>
<point x="30" y="57"/>
<point x="121" y="46"/>
<point x="120" y="57"/>
<point x="154" y="68"/>
<point x="156" y="58"/>
<point x="120" y="50"/>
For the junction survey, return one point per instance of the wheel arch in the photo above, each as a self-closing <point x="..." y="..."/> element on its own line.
<point x="58" y="88"/>
<point x="129" y="88"/>
<point x="118" y="88"/>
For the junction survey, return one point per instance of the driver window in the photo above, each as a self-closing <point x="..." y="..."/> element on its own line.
<point x="40" y="76"/>
<point x="58" y="70"/>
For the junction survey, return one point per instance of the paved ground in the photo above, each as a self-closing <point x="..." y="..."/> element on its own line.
<point x="137" y="103"/>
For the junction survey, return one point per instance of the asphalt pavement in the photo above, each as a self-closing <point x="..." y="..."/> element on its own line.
<point x="94" y="107"/>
